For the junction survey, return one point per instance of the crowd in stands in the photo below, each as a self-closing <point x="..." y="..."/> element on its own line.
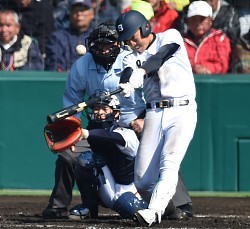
<point x="43" y="34"/>
<point x="205" y="44"/>
<point x="61" y="47"/>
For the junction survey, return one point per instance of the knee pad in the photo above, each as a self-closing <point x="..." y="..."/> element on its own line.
<point x="87" y="170"/>
<point x="89" y="160"/>
<point x="128" y="204"/>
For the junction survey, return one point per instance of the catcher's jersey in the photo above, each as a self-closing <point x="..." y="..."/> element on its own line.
<point x="86" y="77"/>
<point x="119" y="146"/>
<point x="174" y="78"/>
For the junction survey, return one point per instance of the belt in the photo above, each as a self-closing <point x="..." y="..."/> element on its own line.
<point x="167" y="103"/>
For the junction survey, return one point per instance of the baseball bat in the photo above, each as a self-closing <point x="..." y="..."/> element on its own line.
<point x="76" y="108"/>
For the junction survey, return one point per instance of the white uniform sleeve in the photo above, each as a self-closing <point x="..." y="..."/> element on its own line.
<point x="171" y="36"/>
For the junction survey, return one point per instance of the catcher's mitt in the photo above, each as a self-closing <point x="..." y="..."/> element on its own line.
<point x="63" y="134"/>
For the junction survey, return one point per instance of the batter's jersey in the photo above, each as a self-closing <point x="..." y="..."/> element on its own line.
<point x="174" y="78"/>
<point x="86" y="77"/>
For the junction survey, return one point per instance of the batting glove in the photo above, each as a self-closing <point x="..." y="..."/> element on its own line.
<point x="127" y="89"/>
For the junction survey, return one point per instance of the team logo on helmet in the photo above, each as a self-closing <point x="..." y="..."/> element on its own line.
<point x="120" y="27"/>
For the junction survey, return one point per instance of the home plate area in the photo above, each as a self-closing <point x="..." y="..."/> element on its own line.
<point x="209" y="212"/>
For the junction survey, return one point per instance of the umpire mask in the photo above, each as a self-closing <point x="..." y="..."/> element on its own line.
<point x="103" y="45"/>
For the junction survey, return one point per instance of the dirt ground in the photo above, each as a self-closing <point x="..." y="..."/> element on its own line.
<point x="209" y="212"/>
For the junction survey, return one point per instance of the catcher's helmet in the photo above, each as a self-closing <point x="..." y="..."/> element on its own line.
<point x="128" y="23"/>
<point x="111" y="101"/>
<point x="98" y="39"/>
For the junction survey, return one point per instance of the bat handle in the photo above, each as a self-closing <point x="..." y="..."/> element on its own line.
<point x="116" y="91"/>
<point x="93" y="101"/>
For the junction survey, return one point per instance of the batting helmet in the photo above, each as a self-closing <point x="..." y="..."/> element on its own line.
<point x="128" y="23"/>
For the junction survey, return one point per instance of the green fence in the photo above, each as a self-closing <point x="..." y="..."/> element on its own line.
<point x="218" y="156"/>
<point x="217" y="159"/>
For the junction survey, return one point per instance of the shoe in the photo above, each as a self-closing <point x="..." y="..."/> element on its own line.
<point x="81" y="212"/>
<point x="176" y="215"/>
<point x="187" y="210"/>
<point x="55" y="213"/>
<point x="171" y="212"/>
<point x="146" y="217"/>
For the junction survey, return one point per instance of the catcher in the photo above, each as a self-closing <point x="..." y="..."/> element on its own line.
<point x="104" y="174"/>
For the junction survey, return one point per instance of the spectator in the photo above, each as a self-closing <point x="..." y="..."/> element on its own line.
<point x="181" y="24"/>
<point x="61" y="14"/>
<point x="61" y="47"/>
<point x="36" y="18"/>
<point x="104" y="11"/>
<point x="243" y="9"/>
<point x="123" y="5"/>
<point x="208" y="49"/>
<point x="244" y="18"/>
<point x="177" y="4"/>
<point x="225" y="17"/>
<point x="164" y="17"/>
<point x="242" y="55"/>
<point x="17" y="50"/>
<point x="143" y="7"/>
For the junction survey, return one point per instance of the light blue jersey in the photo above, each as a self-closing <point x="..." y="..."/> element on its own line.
<point x="86" y="77"/>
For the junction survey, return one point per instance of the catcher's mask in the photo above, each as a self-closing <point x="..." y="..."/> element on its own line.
<point x="103" y="45"/>
<point x="100" y="112"/>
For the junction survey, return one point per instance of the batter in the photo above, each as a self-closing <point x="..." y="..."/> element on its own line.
<point x="161" y="66"/>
